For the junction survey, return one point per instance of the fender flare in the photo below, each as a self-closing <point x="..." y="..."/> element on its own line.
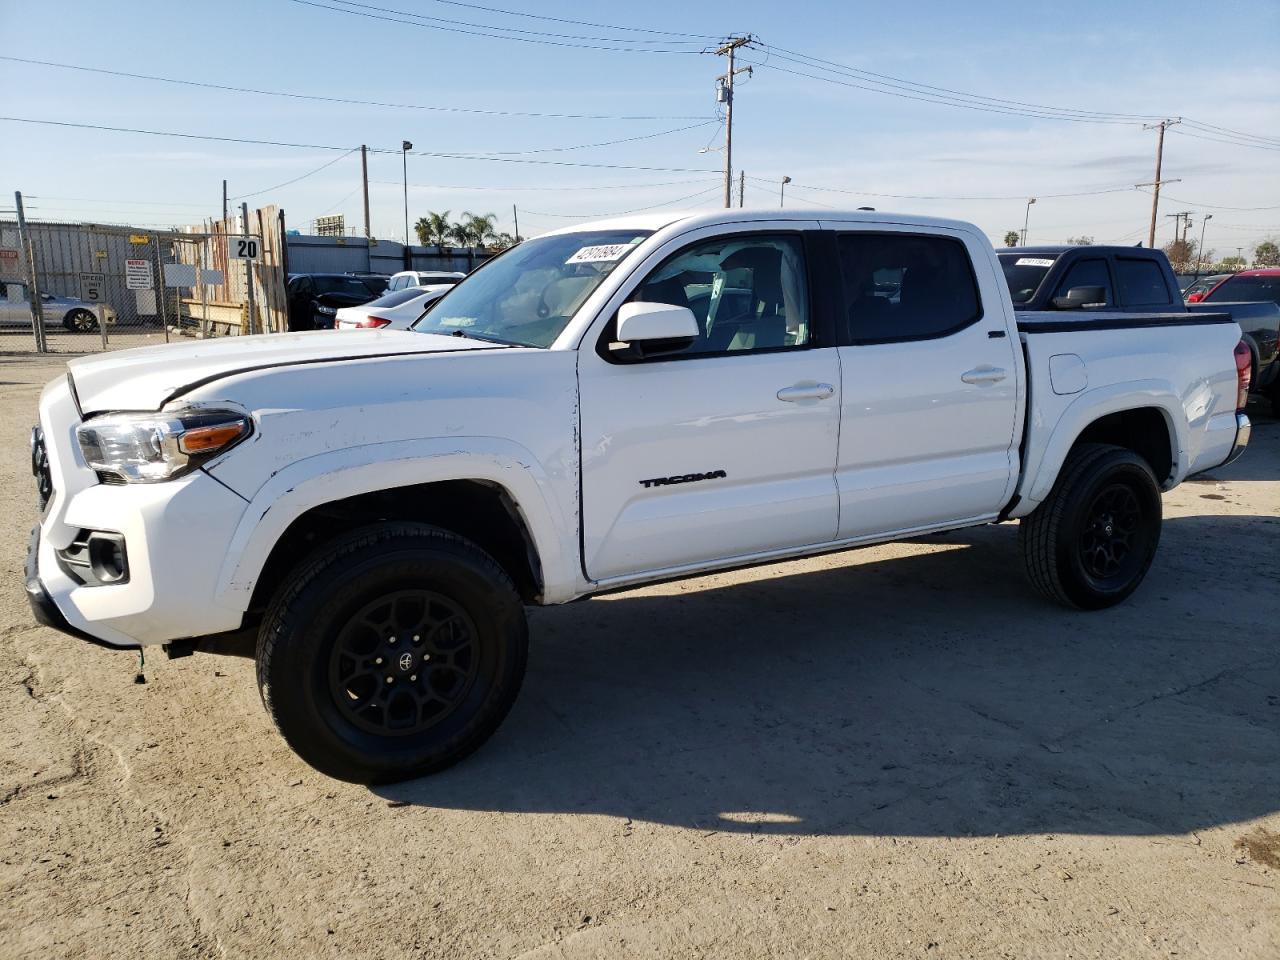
<point x="1093" y="405"/>
<point x="339" y="474"/>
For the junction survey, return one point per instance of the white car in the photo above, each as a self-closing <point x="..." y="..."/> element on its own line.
<point x="394" y="310"/>
<point x="422" y="278"/>
<point x="73" y="313"/>
<point x="618" y="403"/>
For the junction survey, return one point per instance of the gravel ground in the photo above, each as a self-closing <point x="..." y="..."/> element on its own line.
<point x="893" y="752"/>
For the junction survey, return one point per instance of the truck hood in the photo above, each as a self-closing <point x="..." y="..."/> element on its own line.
<point x="148" y="377"/>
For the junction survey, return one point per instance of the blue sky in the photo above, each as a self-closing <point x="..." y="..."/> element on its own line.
<point x="1214" y="63"/>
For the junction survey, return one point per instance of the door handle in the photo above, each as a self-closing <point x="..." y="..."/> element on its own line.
<point x="984" y="374"/>
<point x="806" y="391"/>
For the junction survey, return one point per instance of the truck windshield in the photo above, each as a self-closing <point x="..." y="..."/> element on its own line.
<point x="527" y="295"/>
<point x="1246" y="290"/>
<point x="1024" y="273"/>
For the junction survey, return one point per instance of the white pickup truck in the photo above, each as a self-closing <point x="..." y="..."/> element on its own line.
<point x="630" y="401"/>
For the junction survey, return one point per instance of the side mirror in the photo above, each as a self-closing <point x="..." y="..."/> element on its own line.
<point x="652" y="329"/>
<point x="1079" y="297"/>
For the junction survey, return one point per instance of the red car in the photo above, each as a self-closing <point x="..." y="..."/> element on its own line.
<point x="1247" y="286"/>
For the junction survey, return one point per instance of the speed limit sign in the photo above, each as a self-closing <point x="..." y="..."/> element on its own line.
<point x="243" y="248"/>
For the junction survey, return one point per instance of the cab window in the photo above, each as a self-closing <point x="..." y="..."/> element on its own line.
<point x="1087" y="273"/>
<point x="748" y="293"/>
<point x="1141" y="283"/>
<point x="901" y="286"/>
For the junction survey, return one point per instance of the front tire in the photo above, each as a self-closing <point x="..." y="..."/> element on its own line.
<point x="1091" y="542"/>
<point x="391" y="653"/>
<point x="80" y="321"/>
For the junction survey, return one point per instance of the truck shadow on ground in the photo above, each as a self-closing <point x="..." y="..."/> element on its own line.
<point x="932" y="694"/>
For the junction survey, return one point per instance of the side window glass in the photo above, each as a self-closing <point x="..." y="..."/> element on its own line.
<point x="906" y="287"/>
<point x="1087" y="273"/>
<point x="395" y="284"/>
<point x="1141" y="282"/>
<point x="748" y="293"/>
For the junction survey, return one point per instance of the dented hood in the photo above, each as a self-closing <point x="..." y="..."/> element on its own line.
<point x="148" y="377"/>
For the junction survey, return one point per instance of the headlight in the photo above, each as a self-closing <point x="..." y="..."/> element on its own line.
<point x="327" y="311"/>
<point x="150" y="447"/>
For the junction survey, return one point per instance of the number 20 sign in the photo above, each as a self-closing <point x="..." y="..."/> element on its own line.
<point x="243" y="248"/>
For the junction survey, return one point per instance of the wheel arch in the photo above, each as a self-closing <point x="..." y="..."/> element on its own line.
<point x="1147" y="418"/>
<point x="490" y="491"/>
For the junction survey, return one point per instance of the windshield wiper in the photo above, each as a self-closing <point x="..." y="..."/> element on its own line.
<point x="475" y="336"/>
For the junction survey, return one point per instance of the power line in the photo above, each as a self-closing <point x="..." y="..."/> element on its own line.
<point x="1234" y="143"/>
<point x="342" y="100"/>
<point x="317" y="146"/>
<point x="622" y="213"/>
<point x="486" y="31"/>
<point x="579" y="23"/>
<point x="1119" y="188"/>
<point x="557" y="189"/>
<point x="1214" y="206"/>
<point x="278" y="186"/>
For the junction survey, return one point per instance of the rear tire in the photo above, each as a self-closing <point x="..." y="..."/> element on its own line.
<point x="1091" y="542"/>
<point x="391" y="653"/>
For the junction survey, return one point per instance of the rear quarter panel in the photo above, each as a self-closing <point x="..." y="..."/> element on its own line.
<point x="1185" y="372"/>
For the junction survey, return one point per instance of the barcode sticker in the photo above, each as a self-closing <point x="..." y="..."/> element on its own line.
<point x="601" y="253"/>
<point x="1033" y="262"/>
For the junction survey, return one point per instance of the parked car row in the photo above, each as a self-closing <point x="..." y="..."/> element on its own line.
<point x="316" y="300"/>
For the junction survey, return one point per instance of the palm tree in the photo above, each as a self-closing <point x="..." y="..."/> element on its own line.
<point x="479" y="227"/>
<point x="423" y="229"/>
<point x="438" y="227"/>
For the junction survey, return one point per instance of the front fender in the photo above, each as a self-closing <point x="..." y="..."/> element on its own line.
<point x="1084" y="409"/>
<point x="339" y="474"/>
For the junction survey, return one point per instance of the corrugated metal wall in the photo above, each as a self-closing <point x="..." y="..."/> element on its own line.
<point x="308" y="254"/>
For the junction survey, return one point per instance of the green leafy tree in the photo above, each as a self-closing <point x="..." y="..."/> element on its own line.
<point x="434" y="228"/>
<point x="1228" y="265"/>
<point x="502" y="241"/>
<point x="1266" y="254"/>
<point x="1084" y="240"/>
<point x="1181" y="254"/>
<point x="1011" y="238"/>
<point x="478" y="227"/>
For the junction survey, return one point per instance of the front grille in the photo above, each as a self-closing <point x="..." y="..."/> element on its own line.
<point x="40" y="467"/>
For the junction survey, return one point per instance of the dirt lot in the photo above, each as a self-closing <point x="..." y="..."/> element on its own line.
<point x="892" y="752"/>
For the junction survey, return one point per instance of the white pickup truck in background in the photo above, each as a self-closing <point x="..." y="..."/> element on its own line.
<point x="629" y="401"/>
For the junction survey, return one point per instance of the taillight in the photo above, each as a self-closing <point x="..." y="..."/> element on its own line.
<point x="371" y="322"/>
<point x="1244" y="360"/>
<point x="1195" y="298"/>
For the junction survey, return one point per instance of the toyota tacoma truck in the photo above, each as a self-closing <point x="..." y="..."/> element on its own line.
<point x="609" y="405"/>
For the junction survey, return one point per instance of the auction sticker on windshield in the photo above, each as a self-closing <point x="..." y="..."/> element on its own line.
<point x="600" y="253"/>
<point x="1033" y="262"/>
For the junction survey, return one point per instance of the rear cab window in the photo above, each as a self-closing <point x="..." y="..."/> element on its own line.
<point x="1142" y="283"/>
<point x="901" y="286"/>
<point x="1247" y="290"/>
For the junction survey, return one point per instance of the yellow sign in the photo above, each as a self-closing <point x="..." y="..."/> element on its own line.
<point x="100" y="254"/>
<point x="138" y="239"/>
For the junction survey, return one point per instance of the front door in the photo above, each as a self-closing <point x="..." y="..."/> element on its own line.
<point x="931" y="384"/>
<point x="727" y="448"/>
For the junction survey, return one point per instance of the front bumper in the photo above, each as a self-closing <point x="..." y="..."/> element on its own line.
<point x="1243" y="429"/>
<point x="43" y="608"/>
<point x="178" y="535"/>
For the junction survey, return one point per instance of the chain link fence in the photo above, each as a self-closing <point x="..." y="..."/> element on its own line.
<point x="99" y="287"/>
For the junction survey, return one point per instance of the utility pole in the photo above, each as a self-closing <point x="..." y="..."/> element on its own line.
<point x="364" y="179"/>
<point x="224" y="200"/>
<point x="516" y="217"/>
<point x="1026" y="220"/>
<point x="742" y="187"/>
<point x="1200" y="249"/>
<point x="405" y="147"/>
<point x="724" y="94"/>
<point x="782" y="192"/>
<point x="1155" y="184"/>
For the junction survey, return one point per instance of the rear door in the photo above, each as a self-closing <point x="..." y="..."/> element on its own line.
<point x="728" y="448"/>
<point x="930" y="377"/>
